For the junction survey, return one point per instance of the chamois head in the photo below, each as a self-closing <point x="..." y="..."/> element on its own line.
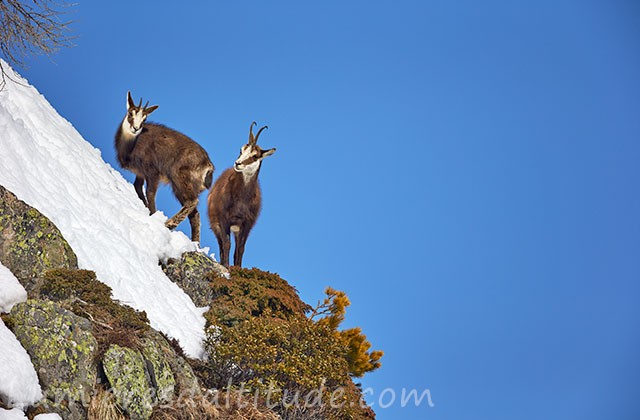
<point x="137" y="114"/>
<point x="251" y="154"/>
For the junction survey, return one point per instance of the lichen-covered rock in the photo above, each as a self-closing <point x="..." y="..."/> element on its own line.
<point x="62" y="350"/>
<point x="126" y="371"/>
<point x="159" y="369"/>
<point x="190" y="273"/>
<point x="186" y="381"/>
<point x="30" y="243"/>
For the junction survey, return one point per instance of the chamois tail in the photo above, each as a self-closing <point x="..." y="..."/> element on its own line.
<point x="208" y="178"/>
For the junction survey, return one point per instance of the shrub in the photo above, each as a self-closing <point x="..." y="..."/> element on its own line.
<point x="80" y="292"/>
<point x="252" y="293"/>
<point x="332" y="312"/>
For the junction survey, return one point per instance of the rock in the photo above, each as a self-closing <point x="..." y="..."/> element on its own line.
<point x="185" y="380"/>
<point x="159" y="369"/>
<point x="30" y="243"/>
<point x="126" y="371"/>
<point x="191" y="271"/>
<point x="62" y="350"/>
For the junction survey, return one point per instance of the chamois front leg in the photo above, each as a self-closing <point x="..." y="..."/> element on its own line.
<point x="224" y="244"/>
<point x="241" y="236"/>
<point x="137" y="184"/>
<point x="186" y="210"/>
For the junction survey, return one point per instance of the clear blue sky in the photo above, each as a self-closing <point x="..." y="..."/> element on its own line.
<point x="468" y="172"/>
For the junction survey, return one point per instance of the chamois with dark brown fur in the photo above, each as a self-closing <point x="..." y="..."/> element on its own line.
<point x="156" y="153"/>
<point x="235" y="200"/>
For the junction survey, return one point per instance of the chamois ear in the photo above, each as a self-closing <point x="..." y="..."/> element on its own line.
<point x="268" y="152"/>
<point x="149" y="110"/>
<point x="130" y="103"/>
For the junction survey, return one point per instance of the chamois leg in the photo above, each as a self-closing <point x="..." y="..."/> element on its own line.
<point x="152" y="187"/>
<point x="186" y="209"/>
<point x="224" y="244"/>
<point x="137" y="184"/>
<point x="194" y="220"/>
<point x="241" y="238"/>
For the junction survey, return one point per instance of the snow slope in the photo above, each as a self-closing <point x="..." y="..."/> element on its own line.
<point x="47" y="164"/>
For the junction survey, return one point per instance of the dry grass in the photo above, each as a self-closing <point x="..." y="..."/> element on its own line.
<point x="214" y="406"/>
<point x="103" y="406"/>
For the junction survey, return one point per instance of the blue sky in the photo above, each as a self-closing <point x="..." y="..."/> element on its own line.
<point x="466" y="171"/>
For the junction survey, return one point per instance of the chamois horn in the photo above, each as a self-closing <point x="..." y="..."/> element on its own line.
<point x="258" y="135"/>
<point x="252" y="139"/>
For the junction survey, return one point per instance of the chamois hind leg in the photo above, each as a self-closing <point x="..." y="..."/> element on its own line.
<point x="182" y="214"/>
<point x="194" y="220"/>
<point x="152" y="187"/>
<point x="137" y="184"/>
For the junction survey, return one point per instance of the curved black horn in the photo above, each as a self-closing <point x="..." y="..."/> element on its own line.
<point x="140" y="104"/>
<point x="145" y="105"/>
<point x="252" y="140"/>
<point x="260" y="131"/>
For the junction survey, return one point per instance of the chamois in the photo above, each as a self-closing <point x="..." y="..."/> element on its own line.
<point x="155" y="153"/>
<point x="234" y="201"/>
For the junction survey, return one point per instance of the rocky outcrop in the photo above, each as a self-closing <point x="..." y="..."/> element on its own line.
<point x="192" y="272"/>
<point x="62" y="350"/>
<point x="96" y="358"/>
<point x="29" y="243"/>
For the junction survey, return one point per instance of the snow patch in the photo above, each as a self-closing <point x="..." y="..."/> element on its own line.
<point x="47" y="164"/>
<point x="19" y="386"/>
<point x="11" y="291"/>
<point x="52" y="416"/>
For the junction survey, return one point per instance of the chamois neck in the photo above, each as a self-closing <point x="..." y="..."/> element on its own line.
<point x="250" y="173"/>
<point x="125" y="142"/>
<point x="125" y="133"/>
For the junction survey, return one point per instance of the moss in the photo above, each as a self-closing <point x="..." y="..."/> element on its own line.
<point x="125" y="370"/>
<point x="252" y="293"/>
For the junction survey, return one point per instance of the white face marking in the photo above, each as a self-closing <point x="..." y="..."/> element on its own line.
<point x="248" y="170"/>
<point x="135" y="119"/>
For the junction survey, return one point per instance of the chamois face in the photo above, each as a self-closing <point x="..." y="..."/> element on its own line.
<point x="136" y="116"/>
<point x="251" y="155"/>
<point x="250" y="158"/>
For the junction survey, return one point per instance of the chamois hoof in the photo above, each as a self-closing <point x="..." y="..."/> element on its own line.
<point x="171" y="224"/>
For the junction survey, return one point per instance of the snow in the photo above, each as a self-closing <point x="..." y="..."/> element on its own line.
<point x="16" y="414"/>
<point x="13" y="414"/>
<point x="11" y="291"/>
<point x="47" y="164"/>
<point x="19" y="386"/>
<point x="52" y="416"/>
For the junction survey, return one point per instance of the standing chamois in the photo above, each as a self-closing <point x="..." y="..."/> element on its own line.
<point x="234" y="201"/>
<point x="156" y="153"/>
